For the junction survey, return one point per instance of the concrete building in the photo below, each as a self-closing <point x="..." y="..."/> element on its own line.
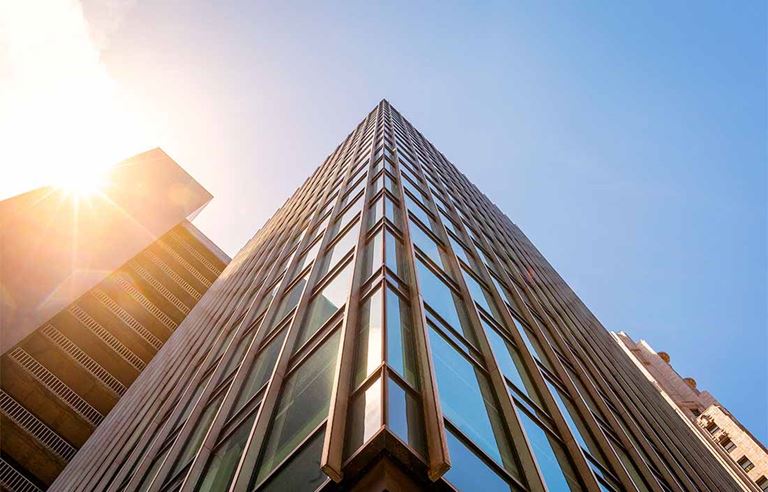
<point x="92" y="287"/>
<point x="724" y="434"/>
<point x="389" y="328"/>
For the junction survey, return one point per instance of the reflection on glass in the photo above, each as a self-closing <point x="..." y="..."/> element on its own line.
<point x="427" y="245"/>
<point x="365" y="416"/>
<point x="395" y="256"/>
<point x="550" y="456"/>
<point x="467" y="402"/>
<point x="468" y="472"/>
<point x="369" y="343"/>
<point x="195" y="439"/>
<point x="442" y="300"/>
<point x="404" y="416"/>
<point x="259" y="373"/>
<point x="307" y="258"/>
<point x="530" y="341"/>
<point x="510" y="363"/>
<point x="302" y="406"/>
<point x="418" y="211"/>
<point x="401" y="354"/>
<point x="326" y="303"/>
<point x="480" y="295"/>
<point x="339" y="249"/>
<point x="347" y="217"/>
<point x="302" y="472"/>
<point x="221" y="465"/>
<point x="237" y="357"/>
<point x="372" y="257"/>
<point x="290" y="300"/>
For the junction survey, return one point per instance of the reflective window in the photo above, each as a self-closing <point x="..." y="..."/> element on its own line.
<point x="443" y="300"/>
<point x="401" y="353"/>
<point x="449" y="225"/>
<point x="460" y="251"/>
<point x="394" y="256"/>
<point x="290" y="299"/>
<point x="510" y="364"/>
<point x="326" y="303"/>
<point x="308" y="256"/>
<point x="404" y="416"/>
<point x="384" y="207"/>
<point x="369" y="338"/>
<point x="302" y="472"/>
<point x="365" y="416"/>
<point x="466" y="400"/>
<point x="339" y="249"/>
<point x="302" y="406"/>
<point x="373" y="255"/>
<point x="347" y="216"/>
<point x="223" y="462"/>
<point x="195" y="439"/>
<point x="468" y="471"/>
<point x="427" y="245"/>
<point x="418" y="211"/>
<point x="550" y="455"/>
<point x="259" y="373"/>
<point x="480" y="295"/>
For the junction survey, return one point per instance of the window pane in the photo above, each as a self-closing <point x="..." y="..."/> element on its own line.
<point x="343" y="246"/>
<point x="427" y="245"/>
<point x="480" y="295"/>
<point x="326" y="303"/>
<point x="418" y="211"/>
<point x="466" y="400"/>
<point x="195" y="439"/>
<point x="510" y="364"/>
<point x="223" y="462"/>
<point x="395" y="256"/>
<point x="303" y="405"/>
<point x="373" y="255"/>
<point x="302" y="472"/>
<point x="310" y="255"/>
<point x="365" y="416"/>
<point x="260" y="371"/>
<point x="290" y="300"/>
<point x="442" y="300"/>
<point x="550" y="456"/>
<point x="401" y="353"/>
<point x="404" y="414"/>
<point x="468" y="472"/>
<point x="347" y="216"/>
<point x="369" y="343"/>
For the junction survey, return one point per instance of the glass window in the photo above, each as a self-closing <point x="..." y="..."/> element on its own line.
<point x="745" y="464"/>
<point x="762" y="482"/>
<point x="427" y="245"/>
<point x="466" y="400"/>
<point x="530" y="341"/>
<point x="290" y="299"/>
<point x="394" y="256"/>
<point x="404" y="414"/>
<point x="384" y="207"/>
<point x="550" y="455"/>
<point x="442" y="300"/>
<point x="365" y="416"/>
<point x="401" y="353"/>
<point x="468" y="471"/>
<point x="259" y="373"/>
<point x="415" y="191"/>
<point x="347" y="216"/>
<point x="480" y="295"/>
<point x="195" y="439"/>
<point x="449" y="225"/>
<point x="460" y="251"/>
<point x="237" y="356"/>
<point x="307" y="257"/>
<point x="221" y="465"/>
<point x="302" y="472"/>
<point x="326" y="303"/>
<point x="339" y="249"/>
<point x="510" y="363"/>
<point x="302" y="406"/>
<point x="576" y="424"/>
<point x="369" y="338"/>
<point x="418" y="211"/>
<point x="373" y="255"/>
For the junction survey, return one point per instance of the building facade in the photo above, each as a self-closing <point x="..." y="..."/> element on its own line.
<point x="100" y="316"/>
<point x="728" y="439"/>
<point x="389" y="328"/>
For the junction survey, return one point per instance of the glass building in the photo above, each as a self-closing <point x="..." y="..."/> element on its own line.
<point x="389" y="328"/>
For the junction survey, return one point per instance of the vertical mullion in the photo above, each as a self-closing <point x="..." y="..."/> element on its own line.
<point x="249" y="459"/>
<point x="331" y="458"/>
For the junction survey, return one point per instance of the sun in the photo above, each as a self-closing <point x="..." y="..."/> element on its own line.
<point x="83" y="184"/>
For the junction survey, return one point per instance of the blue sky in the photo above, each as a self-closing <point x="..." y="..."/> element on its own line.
<point x="628" y="141"/>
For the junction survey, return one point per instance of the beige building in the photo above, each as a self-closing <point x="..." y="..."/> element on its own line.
<point x="727" y="438"/>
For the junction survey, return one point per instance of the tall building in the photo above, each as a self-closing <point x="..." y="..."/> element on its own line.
<point x="728" y="439"/>
<point x="389" y="328"/>
<point x="92" y="287"/>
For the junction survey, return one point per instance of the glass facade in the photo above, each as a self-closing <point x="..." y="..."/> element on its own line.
<point x="390" y="313"/>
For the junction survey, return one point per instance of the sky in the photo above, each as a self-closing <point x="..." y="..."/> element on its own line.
<point x="626" y="139"/>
